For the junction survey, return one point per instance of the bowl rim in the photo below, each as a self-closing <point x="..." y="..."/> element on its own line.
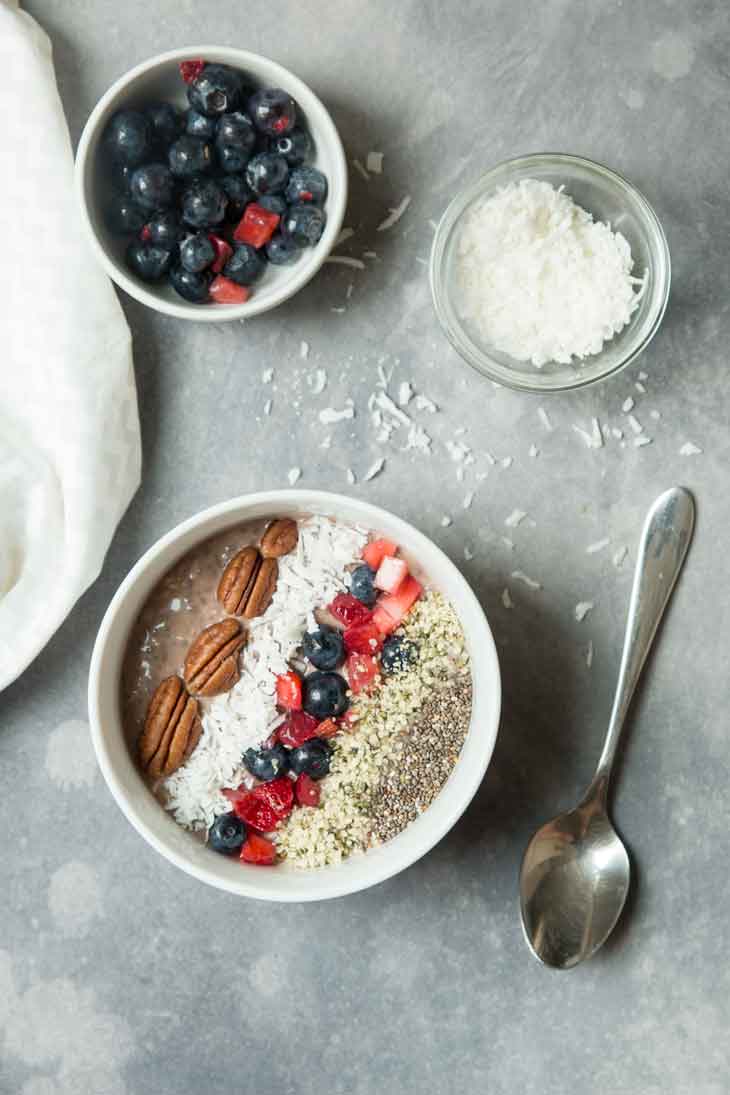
<point x="480" y="361"/>
<point x="372" y="516"/>
<point x="303" y="271"/>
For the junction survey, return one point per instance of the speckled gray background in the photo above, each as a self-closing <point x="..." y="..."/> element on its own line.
<point x="121" y="976"/>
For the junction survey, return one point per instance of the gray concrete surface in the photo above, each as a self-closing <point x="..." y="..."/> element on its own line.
<point x="121" y="976"/>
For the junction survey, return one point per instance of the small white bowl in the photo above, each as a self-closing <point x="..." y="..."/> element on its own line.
<point x="287" y="883"/>
<point x="159" y="79"/>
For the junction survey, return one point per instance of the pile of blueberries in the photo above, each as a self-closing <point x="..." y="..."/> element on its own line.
<point x="211" y="194"/>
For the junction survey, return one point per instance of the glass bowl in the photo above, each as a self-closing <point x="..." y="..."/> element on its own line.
<point x="608" y="197"/>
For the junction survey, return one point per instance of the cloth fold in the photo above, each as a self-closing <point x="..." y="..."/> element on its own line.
<point x="70" y="454"/>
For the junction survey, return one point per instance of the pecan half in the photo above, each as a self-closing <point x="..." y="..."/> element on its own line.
<point x="280" y="538"/>
<point x="237" y="580"/>
<point x="211" y="663"/>
<point x="263" y="589"/>
<point x="171" y="729"/>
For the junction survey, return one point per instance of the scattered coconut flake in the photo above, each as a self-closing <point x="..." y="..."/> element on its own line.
<point x="395" y="214"/>
<point x="690" y="449"/>
<point x="618" y="434"/>
<point x="338" y="311"/>
<point x="599" y="545"/>
<point x="383" y="377"/>
<point x="582" y="609"/>
<point x="639" y="442"/>
<point x="267" y="406"/>
<point x="267" y="376"/>
<point x="317" y="381"/>
<point x="446" y="521"/>
<point x="304" y="350"/>
<point x="508" y="543"/>
<point x="597" y="434"/>
<point x="329" y="415"/>
<point x="405" y="393"/>
<point x="520" y="576"/>
<point x="507" y="462"/>
<point x="544" y="418"/>
<point x="350" y="476"/>
<point x="457" y="450"/>
<point x="628" y="405"/>
<point x="490" y="459"/>
<point x="468" y="499"/>
<point x="385" y="403"/>
<point x="589" y="653"/>
<point x="175" y="604"/>
<point x="643" y="375"/>
<point x="293" y="475"/>
<point x="620" y="555"/>
<point x="460" y="473"/>
<point x="345" y="234"/>
<point x="374" y="469"/>
<point x="640" y="387"/>
<point x="326" y="442"/>
<point x="656" y="415"/>
<point x="423" y="403"/>
<point x="636" y="426"/>
<point x="418" y="439"/>
<point x="374" y="163"/>
<point x="587" y="437"/>
<point x="345" y="260"/>
<point x="515" y="517"/>
<point x="370" y="254"/>
<point x="468" y="553"/>
<point x="506" y="599"/>
<point x="534" y="451"/>
<point x="361" y="170"/>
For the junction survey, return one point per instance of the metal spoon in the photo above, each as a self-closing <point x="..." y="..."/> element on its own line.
<point x="575" y="873"/>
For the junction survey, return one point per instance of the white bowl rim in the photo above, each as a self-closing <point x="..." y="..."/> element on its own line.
<point x="372" y="516"/>
<point x="311" y="262"/>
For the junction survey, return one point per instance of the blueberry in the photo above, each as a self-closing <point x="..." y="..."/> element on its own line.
<point x="274" y="203"/>
<point x="361" y="584"/>
<point x="194" y="287"/>
<point x="398" y="654"/>
<point x="215" y="91"/>
<point x="324" y="648"/>
<point x="245" y="265"/>
<point x="303" y="224"/>
<point x="312" y="757"/>
<point x="197" y="125"/>
<point x="120" y="175"/>
<point x="188" y="156"/>
<point x="165" y="228"/>
<point x="232" y="160"/>
<point x="294" y="146"/>
<point x="128" y="137"/>
<point x="267" y="174"/>
<point x="273" y="111"/>
<point x="123" y="216"/>
<point x="239" y="196"/>
<point x="152" y="186"/>
<point x="267" y="764"/>
<point x="237" y="130"/>
<point x="325" y="695"/>
<point x="281" y="252"/>
<point x="148" y="260"/>
<point x="197" y="253"/>
<point x="306" y="184"/>
<point x="166" y="121"/>
<point x="203" y="203"/>
<point x="226" y="834"/>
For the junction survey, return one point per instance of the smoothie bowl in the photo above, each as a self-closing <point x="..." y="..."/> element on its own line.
<point x="294" y="695"/>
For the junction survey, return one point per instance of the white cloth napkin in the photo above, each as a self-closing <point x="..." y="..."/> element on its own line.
<point x="69" y="431"/>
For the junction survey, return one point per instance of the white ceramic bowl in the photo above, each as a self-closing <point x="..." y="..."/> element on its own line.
<point x="283" y="883"/>
<point x="159" y="78"/>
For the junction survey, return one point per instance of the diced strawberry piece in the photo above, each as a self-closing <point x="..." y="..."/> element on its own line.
<point x="297" y="728"/>
<point x="145" y="234"/>
<point x="257" y="225"/>
<point x="374" y="552"/>
<point x="190" y="69"/>
<point x="362" y="669"/>
<point x="391" y="574"/>
<point x="348" y="610"/>
<point x="363" y="638"/>
<point x="223" y="252"/>
<point x="397" y="605"/>
<point x="266" y="805"/>
<point x="383" y="620"/>
<point x="257" y="849"/>
<point x="306" y="790"/>
<point x="225" y="291"/>
<point x="327" y="728"/>
<point x="289" y="691"/>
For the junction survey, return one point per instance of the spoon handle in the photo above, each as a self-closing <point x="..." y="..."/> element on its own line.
<point x="664" y="541"/>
